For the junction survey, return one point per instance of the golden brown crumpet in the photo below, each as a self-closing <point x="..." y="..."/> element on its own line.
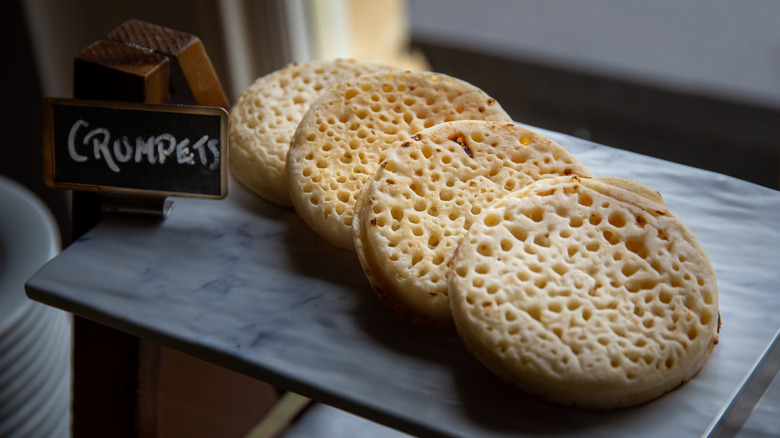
<point x="417" y="206"/>
<point x="588" y="292"/>
<point x="351" y="128"/>
<point x="264" y="119"/>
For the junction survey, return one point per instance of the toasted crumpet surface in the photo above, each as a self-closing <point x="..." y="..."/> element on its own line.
<point x="266" y="114"/>
<point x="588" y="292"/>
<point x="351" y="128"/>
<point x="420" y="202"/>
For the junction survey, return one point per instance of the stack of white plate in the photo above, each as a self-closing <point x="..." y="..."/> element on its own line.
<point x="35" y="340"/>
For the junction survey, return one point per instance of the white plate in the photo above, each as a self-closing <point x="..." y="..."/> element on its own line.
<point x="38" y="335"/>
<point x="39" y="396"/>
<point x="19" y="330"/>
<point x="28" y="238"/>
<point x="25" y="332"/>
<point x="42" y="413"/>
<point x="32" y="371"/>
<point x="35" y="340"/>
<point x="44" y="352"/>
<point x="21" y="369"/>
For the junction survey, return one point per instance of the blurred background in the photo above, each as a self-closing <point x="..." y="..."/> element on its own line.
<point x="695" y="82"/>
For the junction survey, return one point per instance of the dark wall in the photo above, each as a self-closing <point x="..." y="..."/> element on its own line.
<point x="21" y="119"/>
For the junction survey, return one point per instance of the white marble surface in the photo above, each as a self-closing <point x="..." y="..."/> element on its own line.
<point x="246" y="285"/>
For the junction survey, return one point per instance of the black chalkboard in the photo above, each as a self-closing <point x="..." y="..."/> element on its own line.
<point x="135" y="148"/>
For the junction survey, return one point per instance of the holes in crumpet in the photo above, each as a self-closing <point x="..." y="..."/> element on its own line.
<point x="536" y="214"/>
<point x="587" y="314"/>
<point x="492" y="220"/>
<point x="617" y="220"/>
<point x="485" y="249"/>
<point x="560" y="268"/>
<point x="506" y="245"/>
<point x="584" y="200"/>
<point x="542" y="241"/>
<point x="518" y="158"/>
<point x="630" y="269"/>
<point x="519" y="233"/>
<point x="535" y="313"/>
<point x="637" y="247"/>
<point x="706" y="317"/>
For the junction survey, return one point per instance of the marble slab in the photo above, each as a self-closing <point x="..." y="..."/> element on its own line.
<point x="247" y="285"/>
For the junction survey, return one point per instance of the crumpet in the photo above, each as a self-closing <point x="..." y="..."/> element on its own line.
<point x="588" y="292"/>
<point x="420" y="202"/>
<point x="266" y="114"/>
<point x="351" y="128"/>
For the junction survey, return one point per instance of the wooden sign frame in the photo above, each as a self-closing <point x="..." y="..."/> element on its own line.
<point x="107" y="144"/>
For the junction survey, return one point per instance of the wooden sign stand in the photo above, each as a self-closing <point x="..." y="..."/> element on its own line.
<point x="135" y="154"/>
<point x="110" y="70"/>
<point x="145" y="63"/>
<point x="115" y="376"/>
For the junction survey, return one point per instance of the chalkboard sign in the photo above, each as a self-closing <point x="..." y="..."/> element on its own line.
<point x="135" y="148"/>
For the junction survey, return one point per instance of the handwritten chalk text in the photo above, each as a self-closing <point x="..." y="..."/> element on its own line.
<point x="97" y="143"/>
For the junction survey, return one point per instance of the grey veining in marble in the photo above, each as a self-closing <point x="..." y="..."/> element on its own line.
<point x="247" y="285"/>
